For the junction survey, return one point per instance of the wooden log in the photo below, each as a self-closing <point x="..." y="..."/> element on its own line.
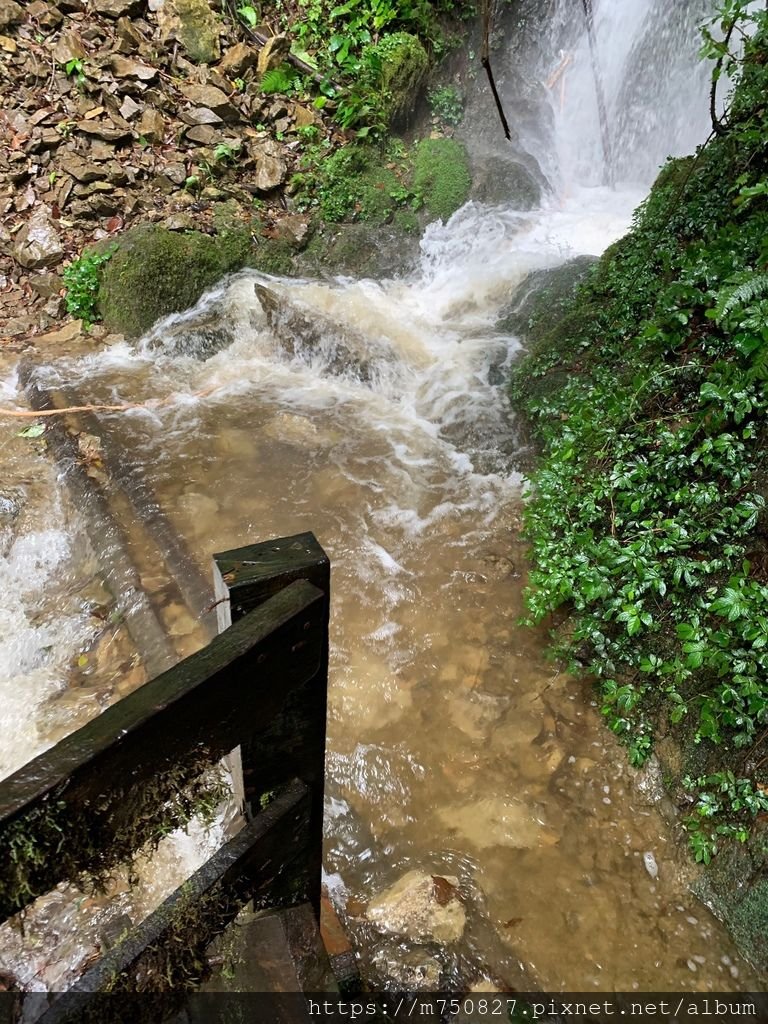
<point x="109" y="541"/>
<point x="245" y="578"/>
<point x="75" y="807"/>
<point x="171" y="942"/>
<point x="183" y="569"/>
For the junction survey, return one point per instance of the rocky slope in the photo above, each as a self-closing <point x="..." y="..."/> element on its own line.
<point x="117" y="112"/>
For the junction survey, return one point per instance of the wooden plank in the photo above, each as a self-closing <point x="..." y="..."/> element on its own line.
<point x="73" y="806"/>
<point x="172" y="941"/>
<point x="245" y="578"/>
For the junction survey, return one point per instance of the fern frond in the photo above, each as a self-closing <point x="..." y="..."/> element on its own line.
<point x="740" y="295"/>
<point x="278" y="80"/>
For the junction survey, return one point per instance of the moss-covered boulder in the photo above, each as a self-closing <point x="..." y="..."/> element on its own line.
<point x="403" y="70"/>
<point x="194" y="25"/>
<point x="155" y="272"/>
<point x="441" y="176"/>
<point x="365" y="250"/>
<point x="497" y="179"/>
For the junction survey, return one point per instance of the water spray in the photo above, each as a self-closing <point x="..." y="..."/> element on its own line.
<point x="609" y="172"/>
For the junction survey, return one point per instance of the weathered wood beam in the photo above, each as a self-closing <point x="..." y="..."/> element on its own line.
<point x="64" y="811"/>
<point x="245" y="578"/>
<point x="172" y="941"/>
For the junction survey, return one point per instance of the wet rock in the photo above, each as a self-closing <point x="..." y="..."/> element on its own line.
<point x="287" y="426"/>
<point x="650" y="864"/>
<point x="69" y="46"/>
<point x="495" y="821"/>
<point x="210" y="98"/>
<point x="420" y="907"/>
<point x="238" y="59"/>
<point x="271" y="168"/>
<point x="302" y="331"/>
<point x="68" y="332"/>
<point x="412" y="971"/>
<point x="124" y="67"/>
<point x="46" y="285"/>
<point x="294" y="229"/>
<point x="11" y="13"/>
<point x="497" y="179"/>
<point x="156" y="272"/>
<point x="152" y="125"/>
<point x="38" y="244"/>
<point x="10" y="508"/>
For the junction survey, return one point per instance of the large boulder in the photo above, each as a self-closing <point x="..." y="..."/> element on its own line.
<point x="442" y="176"/>
<point x="498" y="180"/>
<point x="156" y="272"/>
<point x="404" y="65"/>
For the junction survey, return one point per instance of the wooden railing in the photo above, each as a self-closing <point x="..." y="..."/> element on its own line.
<point x="84" y="806"/>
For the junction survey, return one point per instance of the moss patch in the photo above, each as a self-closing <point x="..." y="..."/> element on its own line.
<point x="441" y="175"/>
<point x="156" y="272"/>
<point x="404" y="67"/>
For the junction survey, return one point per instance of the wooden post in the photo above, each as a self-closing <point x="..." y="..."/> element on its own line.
<point x="245" y="578"/>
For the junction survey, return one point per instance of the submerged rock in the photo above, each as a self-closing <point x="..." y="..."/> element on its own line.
<point x="305" y="332"/>
<point x="411" y="971"/>
<point x="420" y="907"/>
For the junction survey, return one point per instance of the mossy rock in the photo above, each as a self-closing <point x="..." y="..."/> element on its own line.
<point x="362" y="250"/>
<point x="272" y="256"/>
<point x="198" y="30"/>
<point x="404" y="67"/>
<point x="735" y="886"/>
<point x="441" y="175"/>
<point x="497" y="179"/>
<point x="543" y="300"/>
<point x="156" y="272"/>
<point x="356" y="183"/>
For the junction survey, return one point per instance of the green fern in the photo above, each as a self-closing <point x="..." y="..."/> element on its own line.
<point x="738" y="296"/>
<point x="278" y="80"/>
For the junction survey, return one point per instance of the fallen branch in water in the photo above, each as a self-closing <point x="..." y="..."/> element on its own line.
<point x="151" y="403"/>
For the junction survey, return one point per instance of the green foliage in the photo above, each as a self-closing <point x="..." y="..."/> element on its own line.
<point x="354" y="183"/>
<point x="82" y="279"/>
<point x="279" y="80"/>
<point x="647" y="514"/>
<point x="442" y="178"/>
<point x="373" y="54"/>
<point x="447" y="105"/>
<point x="249" y="15"/>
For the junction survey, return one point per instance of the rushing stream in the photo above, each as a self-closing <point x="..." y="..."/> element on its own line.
<point x="454" y="746"/>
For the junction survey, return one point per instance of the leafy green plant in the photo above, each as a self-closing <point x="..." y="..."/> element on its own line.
<point x="279" y="80"/>
<point x="447" y="105"/>
<point x="75" y="68"/>
<point x="249" y="15"/>
<point x="647" y="513"/>
<point x="81" y="279"/>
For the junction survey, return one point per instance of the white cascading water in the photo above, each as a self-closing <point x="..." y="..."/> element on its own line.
<point x="440" y="752"/>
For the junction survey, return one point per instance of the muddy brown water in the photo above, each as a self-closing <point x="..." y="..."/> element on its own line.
<point x="454" y="745"/>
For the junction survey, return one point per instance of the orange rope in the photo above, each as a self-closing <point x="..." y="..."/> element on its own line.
<point x="152" y="403"/>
